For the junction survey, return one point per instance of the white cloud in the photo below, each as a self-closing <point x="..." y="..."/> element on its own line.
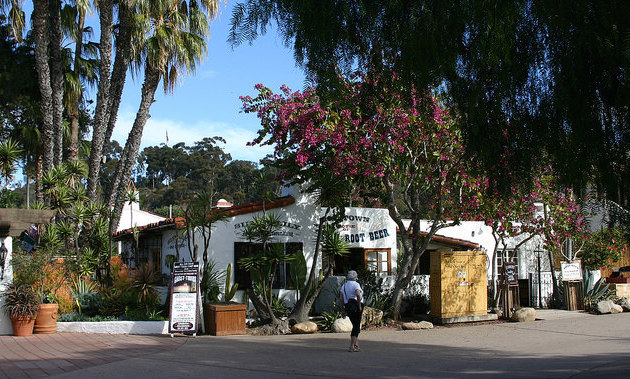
<point x="155" y="131"/>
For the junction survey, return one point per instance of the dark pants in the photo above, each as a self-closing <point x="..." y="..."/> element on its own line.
<point x="355" y="319"/>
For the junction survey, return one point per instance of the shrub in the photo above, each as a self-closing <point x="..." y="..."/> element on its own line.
<point x="143" y="283"/>
<point x="328" y="319"/>
<point x="20" y="301"/>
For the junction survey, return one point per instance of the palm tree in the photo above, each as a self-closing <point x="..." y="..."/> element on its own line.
<point x="102" y="96"/>
<point x="174" y="39"/>
<point x="82" y="69"/>
<point x="9" y="155"/>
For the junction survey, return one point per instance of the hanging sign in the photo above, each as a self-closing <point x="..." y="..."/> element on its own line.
<point x="511" y="276"/>
<point x="184" y="312"/>
<point x="571" y="270"/>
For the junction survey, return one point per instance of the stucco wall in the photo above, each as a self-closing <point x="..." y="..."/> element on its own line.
<point x="5" y="322"/>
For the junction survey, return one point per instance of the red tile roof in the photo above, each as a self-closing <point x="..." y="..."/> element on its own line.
<point x="456" y="242"/>
<point x="180" y="222"/>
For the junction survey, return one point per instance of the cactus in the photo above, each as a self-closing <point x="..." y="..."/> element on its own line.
<point x="230" y="290"/>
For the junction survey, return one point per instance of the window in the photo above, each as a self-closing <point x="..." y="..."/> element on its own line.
<point x="283" y="271"/>
<point x="378" y="260"/>
<point x="149" y="250"/>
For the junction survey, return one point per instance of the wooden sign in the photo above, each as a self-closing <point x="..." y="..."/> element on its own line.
<point x="511" y="275"/>
<point x="571" y="271"/>
<point x="184" y="311"/>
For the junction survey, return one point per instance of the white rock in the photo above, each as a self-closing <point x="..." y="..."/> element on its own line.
<point x="524" y="315"/>
<point x="416" y="325"/>
<point x="306" y="327"/>
<point x="342" y="325"/>
<point x="615" y="308"/>
<point x="604" y="307"/>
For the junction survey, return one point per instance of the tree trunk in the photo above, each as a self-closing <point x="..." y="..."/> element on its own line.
<point x="40" y="35"/>
<point x="39" y="189"/>
<point x="132" y="146"/>
<point x="73" y="111"/>
<point x="56" y="78"/>
<point x="303" y="305"/>
<point x="413" y="254"/>
<point x="102" y="98"/>
<point x="119" y="72"/>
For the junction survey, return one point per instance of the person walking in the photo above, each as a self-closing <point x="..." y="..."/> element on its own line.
<point x="351" y="296"/>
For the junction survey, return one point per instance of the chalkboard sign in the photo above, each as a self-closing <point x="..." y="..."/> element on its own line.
<point x="511" y="276"/>
<point x="184" y="312"/>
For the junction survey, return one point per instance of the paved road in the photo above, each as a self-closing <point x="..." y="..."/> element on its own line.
<point x="569" y="345"/>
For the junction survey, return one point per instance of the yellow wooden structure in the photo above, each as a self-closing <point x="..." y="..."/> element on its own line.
<point x="458" y="284"/>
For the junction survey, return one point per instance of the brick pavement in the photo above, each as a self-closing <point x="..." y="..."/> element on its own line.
<point x="42" y="355"/>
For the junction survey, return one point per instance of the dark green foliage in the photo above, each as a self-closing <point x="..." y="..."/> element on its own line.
<point x="143" y="282"/>
<point x="88" y="303"/>
<point x="328" y="319"/>
<point x="530" y="80"/>
<point x="595" y="292"/>
<point x="278" y="307"/>
<point x="115" y="301"/>
<point x="211" y="282"/>
<point x="374" y="291"/>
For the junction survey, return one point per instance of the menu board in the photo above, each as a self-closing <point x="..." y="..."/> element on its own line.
<point x="511" y="276"/>
<point x="184" y="311"/>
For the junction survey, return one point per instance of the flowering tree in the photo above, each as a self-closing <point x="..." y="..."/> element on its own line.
<point x="393" y="143"/>
<point x="604" y="247"/>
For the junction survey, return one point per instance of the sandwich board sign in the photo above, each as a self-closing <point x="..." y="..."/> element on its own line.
<point x="184" y="310"/>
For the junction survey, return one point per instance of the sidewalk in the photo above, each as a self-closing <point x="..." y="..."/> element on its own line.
<point x="560" y="344"/>
<point x="43" y="355"/>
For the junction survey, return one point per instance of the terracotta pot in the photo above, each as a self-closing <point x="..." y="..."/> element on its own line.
<point x="22" y="325"/>
<point x="224" y="319"/>
<point x="46" y="321"/>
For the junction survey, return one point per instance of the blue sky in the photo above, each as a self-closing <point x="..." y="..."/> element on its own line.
<point x="207" y="103"/>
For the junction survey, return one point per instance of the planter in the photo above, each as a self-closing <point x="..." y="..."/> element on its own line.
<point x="22" y="325"/>
<point x="46" y="321"/>
<point x="617" y="280"/>
<point x="224" y="319"/>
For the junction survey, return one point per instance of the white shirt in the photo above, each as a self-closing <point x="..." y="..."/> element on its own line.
<point x="349" y="291"/>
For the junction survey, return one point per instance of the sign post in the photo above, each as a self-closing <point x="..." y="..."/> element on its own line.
<point x="572" y="280"/>
<point x="184" y="311"/>
<point x="511" y="287"/>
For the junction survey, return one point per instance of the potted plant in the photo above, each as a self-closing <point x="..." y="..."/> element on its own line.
<point x="44" y="277"/>
<point x="221" y="317"/>
<point x="21" y="304"/>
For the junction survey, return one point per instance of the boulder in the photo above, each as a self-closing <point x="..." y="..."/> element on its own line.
<point x="625" y="304"/>
<point x="616" y="308"/>
<point x="604" y="307"/>
<point x="306" y="327"/>
<point x="525" y="314"/>
<point x="342" y="325"/>
<point x="416" y="325"/>
<point x="371" y="317"/>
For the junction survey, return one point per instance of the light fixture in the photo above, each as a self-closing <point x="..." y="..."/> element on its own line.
<point x="3" y="256"/>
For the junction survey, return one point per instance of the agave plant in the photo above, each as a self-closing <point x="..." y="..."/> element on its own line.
<point x="595" y="292"/>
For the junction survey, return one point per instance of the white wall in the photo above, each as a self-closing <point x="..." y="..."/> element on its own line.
<point x="139" y="217"/>
<point x="5" y="322"/>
